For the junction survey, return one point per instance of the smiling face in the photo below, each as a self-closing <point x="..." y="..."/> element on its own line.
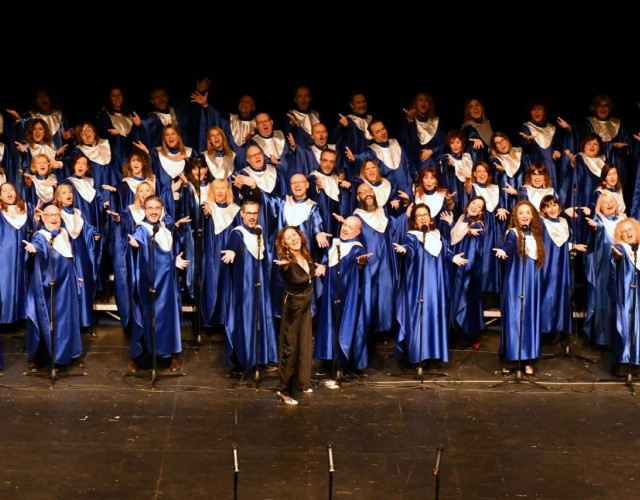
<point x="475" y="207"/>
<point x="422" y="217"/>
<point x="292" y="240"/>
<point x="299" y="186"/>
<point x="628" y="232"/>
<point x="367" y="197"/>
<point x="480" y="174"/>
<point x="592" y="148"/>
<point x="350" y="228"/>
<point x="215" y="139"/>
<point x="552" y="210"/>
<point x="537" y="179"/>
<point x="249" y="214"/>
<point x="171" y="138"/>
<point x="153" y="210"/>
<point x="143" y="191"/>
<point x="370" y="171"/>
<point x="51" y="218"/>
<point x="524" y="215"/>
<point x="611" y="180"/>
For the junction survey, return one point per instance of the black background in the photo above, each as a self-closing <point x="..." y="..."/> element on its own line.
<point x="502" y="59"/>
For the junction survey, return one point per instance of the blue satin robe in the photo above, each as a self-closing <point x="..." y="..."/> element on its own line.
<point x="66" y="317"/>
<point x="410" y="140"/>
<point x="466" y="297"/>
<point x="625" y="340"/>
<point x="344" y="312"/>
<point x="423" y="332"/>
<point x="556" y="278"/>
<point x="85" y="250"/>
<point x="598" y="320"/>
<point x="12" y="272"/>
<point x="381" y="271"/>
<point x="161" y="275"/>
<point x="216" y="284"/>
<point x="250" y="334"/>
<point x="521" y="279"/>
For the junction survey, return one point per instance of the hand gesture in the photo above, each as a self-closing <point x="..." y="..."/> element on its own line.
<point x="228" y="256"/>
<point x="29" y="247"/>
<point x="399" y="248"/>
<point x="459" y="259"/>
<point x="500" y="253"/>
<point x="133" y="242"/>
<point x="180" y="262"/>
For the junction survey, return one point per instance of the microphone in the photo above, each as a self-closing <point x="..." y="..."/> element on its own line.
<point x="156" y="229"/>
<point x="330" y="453"/>
<point x="436" y="467"/>
<point x="56" y="232"/>
<point x="257" y="230"/>
<point x="524" y="227"/>
<point x="634" y="247"/>
<point x="338" y="247"/>
<point x="424" y="228"/>
<point x="236" y="467"/>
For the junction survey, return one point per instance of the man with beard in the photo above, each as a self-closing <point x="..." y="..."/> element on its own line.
<point x="379" y="232"/>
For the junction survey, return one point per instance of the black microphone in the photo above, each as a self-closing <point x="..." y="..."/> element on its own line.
<point x="436" y="467"/>
<point x="424" y="228"/>
<point x="634" y="247"/>
<point x="257" y="230"/>
<point x="338" y="248"/>
<point x="156" y="229"/>
<point x="56" y="232"/>
<point x="524" y="227"/>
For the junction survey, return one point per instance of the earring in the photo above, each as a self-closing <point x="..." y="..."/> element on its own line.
<point x="287" y="250"/>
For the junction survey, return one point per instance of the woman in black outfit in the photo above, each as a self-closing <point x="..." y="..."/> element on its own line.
<point x="295" y="347"/>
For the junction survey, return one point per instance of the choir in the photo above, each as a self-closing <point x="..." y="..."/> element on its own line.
<point x="418" y="233"/>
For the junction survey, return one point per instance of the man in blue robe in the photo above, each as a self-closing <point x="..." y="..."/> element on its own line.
<point x="51" y="269"/>
<point x="156" y="299"/>
<point x="250" y="335"/>
<point x="343" y="314"/>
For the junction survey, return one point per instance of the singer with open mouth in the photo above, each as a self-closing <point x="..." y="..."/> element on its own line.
<point x="423" y="293"/>
<point x="156" y="261"/>
<point x="524" y="254"/>
<point x="623" y="289"/>
<point x="51" y="268"/>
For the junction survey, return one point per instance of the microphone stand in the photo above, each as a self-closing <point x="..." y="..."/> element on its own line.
<point x="518" y="375"/>
<point x="421" y="297"/>
<point x="152" y="293"/>
<point x="197" y="271"/>
<point x="572" y="288"/>
<point x="52" y="305"/>
<point x="258" y="232"/>
<point x="53" y="375"/>
<point x="338" y="312"/>
<point x="436" y="470"/>
<point x="632" y="329"/>
<point x="331" y="468"/>
<point x="236" y="471"/>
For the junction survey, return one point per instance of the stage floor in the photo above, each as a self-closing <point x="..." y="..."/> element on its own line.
<point x="94" y="432"/>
